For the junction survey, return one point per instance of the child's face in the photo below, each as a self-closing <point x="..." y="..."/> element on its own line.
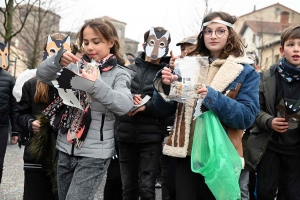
<point x="186" y="48"/>
<point x="215" y="43"/>
<point x="291" y="51"/>
<point x="95" y="46"/>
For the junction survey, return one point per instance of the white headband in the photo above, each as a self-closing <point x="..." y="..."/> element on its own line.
<point x="218" y="21"/>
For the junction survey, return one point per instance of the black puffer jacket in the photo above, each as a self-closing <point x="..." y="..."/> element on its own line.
<point x="8" y="104"/>
<point x="148" y="126"/>
<point x="28" y="110"/>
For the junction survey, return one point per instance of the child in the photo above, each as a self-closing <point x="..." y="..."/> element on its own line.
<point x="39" y="154"/>
<point x="229" y="72"/>
<point x="168" y="163"/>
<point x="141" y="132"/>
<point x="274" y="142"/>
<point x="8" y="106"/>
<point x="187" y="45"/>
<point x="81" y="168"/>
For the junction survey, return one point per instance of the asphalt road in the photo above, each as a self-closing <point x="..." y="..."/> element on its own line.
<point x="11" y="187"/>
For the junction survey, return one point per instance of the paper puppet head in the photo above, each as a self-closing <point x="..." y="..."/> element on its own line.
<point x="3" y="55"/>
<point x="53" y="46"/>
<point x="157" y="44"/>
<point x="290" y="110"/>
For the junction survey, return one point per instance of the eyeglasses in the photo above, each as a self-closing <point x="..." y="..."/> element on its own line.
<point x="219" y="32"/>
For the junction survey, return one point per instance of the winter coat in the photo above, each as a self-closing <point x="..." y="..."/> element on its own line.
<point x="261" y="133"/>
<point x="236" y="110"/>
<point x="148" y="126"/>
<point x="110" y="95"/>
<point x="28" y="112"/>
<point x="8" y="104"/>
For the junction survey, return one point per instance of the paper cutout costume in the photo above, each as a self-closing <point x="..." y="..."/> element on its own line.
<point x="157" y="44"/>
<point x="53" y="46"/>
<point x="3" y="55"/>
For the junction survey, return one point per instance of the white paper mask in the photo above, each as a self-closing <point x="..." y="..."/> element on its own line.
<point x="157" y="44"/>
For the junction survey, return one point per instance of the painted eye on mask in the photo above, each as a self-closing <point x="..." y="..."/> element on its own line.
<point x="293" y="120"/>
<point x="162" y="44"/>
<point x="52" y="51"/>
<point x="151" y="43"/>
<point x="282" y="114"/>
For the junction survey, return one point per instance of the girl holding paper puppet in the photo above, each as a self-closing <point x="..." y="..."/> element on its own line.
<point x="231" y="92"/>
<point x="85" y="111"/>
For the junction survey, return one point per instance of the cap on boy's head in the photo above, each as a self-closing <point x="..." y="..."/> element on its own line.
<point x="188" y="40"/>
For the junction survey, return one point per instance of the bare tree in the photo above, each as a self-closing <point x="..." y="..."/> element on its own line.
<point x="193" y="22"/>
<point x="11" y="28"/>
<point x="41" y="22"/>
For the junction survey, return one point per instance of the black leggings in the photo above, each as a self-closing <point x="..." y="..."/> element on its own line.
<point x="3" y="144"/>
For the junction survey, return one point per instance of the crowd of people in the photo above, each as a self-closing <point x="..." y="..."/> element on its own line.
<point x="91" y="110"/>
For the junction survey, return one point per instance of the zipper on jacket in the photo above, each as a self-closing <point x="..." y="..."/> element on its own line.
<point x="72" y="150"/>
<point x="101" y="128"/>
<point x="143" y="81"/>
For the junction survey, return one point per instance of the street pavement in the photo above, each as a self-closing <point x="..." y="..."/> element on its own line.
<point x="11" y="187"/>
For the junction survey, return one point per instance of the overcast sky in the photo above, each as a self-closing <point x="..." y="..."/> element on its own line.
<point x="180" y="17"/>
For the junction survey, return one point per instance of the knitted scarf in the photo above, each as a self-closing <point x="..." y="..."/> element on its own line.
<point x="288" y="72"/>
<point x="71" y="120"/>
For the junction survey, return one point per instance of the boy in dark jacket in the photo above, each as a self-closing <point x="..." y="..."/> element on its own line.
<point x="8" y="106"/>
<point x="141" y="132"/>
<point x="274" y="143"/>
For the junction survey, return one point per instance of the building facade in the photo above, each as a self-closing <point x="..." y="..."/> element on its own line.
<point x="261" y="31"/>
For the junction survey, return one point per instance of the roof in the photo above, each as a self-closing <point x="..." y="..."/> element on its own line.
<point x="127" y="40"/>
<point x="276" y="4"/>
<point x="264" y="27"/>
<point x="269" y="44"/>
<point x="107" y="18"/>
<point x="35" y="8"/>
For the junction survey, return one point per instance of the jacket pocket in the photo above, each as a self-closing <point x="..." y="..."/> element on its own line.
<point x="233" y="89"/>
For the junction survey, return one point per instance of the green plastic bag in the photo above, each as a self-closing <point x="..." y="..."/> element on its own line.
<point x="214" y="156"/>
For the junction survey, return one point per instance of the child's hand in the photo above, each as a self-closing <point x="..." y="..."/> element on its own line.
<point x="68" y="58"/>
<point x="91" y="76"/>
<point x="172" y="60"/>
<point x="202" y="91"/>
<point x="140" y="109"/>
<point x="14" y="139"/>
<point x="279" y="125"/>
<point x="36" y="126"/>
<point x="137" y="99"/>
<point x="167" y="76"/>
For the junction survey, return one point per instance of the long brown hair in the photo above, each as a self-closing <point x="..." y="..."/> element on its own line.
<point x="108" y="31"/>
<point x="41" y="89"/>
<point x="234" y="45"/>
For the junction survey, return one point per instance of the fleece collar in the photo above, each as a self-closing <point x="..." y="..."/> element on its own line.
<point x="223" y="72"/>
